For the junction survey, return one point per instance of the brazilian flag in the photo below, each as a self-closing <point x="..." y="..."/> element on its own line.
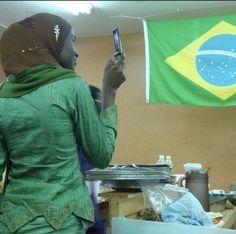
<point x="191" y="61"/>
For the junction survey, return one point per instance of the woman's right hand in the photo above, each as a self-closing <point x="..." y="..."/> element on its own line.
<point x="112" y="79"/>
<point x="114" y="73"/>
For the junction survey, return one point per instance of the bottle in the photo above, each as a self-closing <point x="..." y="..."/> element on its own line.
<point x="161" y="160"/>
<point x="169" y="162"/>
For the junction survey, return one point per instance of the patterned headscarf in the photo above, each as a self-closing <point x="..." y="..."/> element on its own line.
<point x="37" y="40"/>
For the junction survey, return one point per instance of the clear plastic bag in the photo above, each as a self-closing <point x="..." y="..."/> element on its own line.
<point x="160" y="196"/>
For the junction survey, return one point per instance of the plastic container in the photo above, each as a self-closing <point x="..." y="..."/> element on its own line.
<point x="123" y="225"/>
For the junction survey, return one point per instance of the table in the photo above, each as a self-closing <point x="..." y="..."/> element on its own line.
<point x="129" y="204"/>
<point x="229" y="218"/>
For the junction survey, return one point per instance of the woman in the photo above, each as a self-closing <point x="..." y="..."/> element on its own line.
<point x="45" y="111"/>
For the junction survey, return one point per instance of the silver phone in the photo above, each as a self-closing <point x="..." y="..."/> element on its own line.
<point x="117" y="43"/>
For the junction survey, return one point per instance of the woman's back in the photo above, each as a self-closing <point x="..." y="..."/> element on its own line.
<point x="44" y="176"/>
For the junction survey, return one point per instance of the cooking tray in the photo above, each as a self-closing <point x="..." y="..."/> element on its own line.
<point x="130" y="172"/>
<point x="135" y="184"/>
<point x="131" y="176"/>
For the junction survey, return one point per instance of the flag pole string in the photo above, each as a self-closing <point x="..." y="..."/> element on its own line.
<point x="177" y="10"/>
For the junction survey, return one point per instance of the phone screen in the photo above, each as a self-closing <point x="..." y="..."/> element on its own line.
<point x="117" y="42"/>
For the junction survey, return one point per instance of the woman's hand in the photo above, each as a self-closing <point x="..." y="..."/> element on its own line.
<point x="114" y="73"/>
<point x="112" y="79"/>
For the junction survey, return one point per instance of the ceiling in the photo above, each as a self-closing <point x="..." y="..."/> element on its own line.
<point x="106" y="15"/>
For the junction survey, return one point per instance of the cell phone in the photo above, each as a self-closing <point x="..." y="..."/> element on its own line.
<point x="117" y="43"/>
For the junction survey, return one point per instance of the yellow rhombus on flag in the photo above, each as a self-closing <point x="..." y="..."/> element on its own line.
<point x="184" y="61"/>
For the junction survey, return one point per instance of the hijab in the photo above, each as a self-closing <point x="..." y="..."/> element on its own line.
<point x="30" y="53"/>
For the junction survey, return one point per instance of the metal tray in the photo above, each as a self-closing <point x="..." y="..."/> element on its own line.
<point x="135" y="184"/>
<point x="131" y="176"/>
<point x="130" y="172"/>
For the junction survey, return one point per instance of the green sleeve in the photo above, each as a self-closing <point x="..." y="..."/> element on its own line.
<point x="95" y="133"/>
<point x="3" y="158"/>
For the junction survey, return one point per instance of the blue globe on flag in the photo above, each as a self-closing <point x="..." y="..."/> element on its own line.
<point x="216" y="60"/>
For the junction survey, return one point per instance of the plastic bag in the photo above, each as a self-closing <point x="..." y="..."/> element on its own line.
<point x="160" y="196"/>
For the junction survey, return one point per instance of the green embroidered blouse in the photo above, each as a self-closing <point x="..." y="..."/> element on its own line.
<point x="39" y="134"/>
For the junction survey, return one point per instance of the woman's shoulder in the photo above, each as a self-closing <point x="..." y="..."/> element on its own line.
<point x="71" y="82"/>
<point x="72" y="86"/>
<point x="77" y="83"/>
